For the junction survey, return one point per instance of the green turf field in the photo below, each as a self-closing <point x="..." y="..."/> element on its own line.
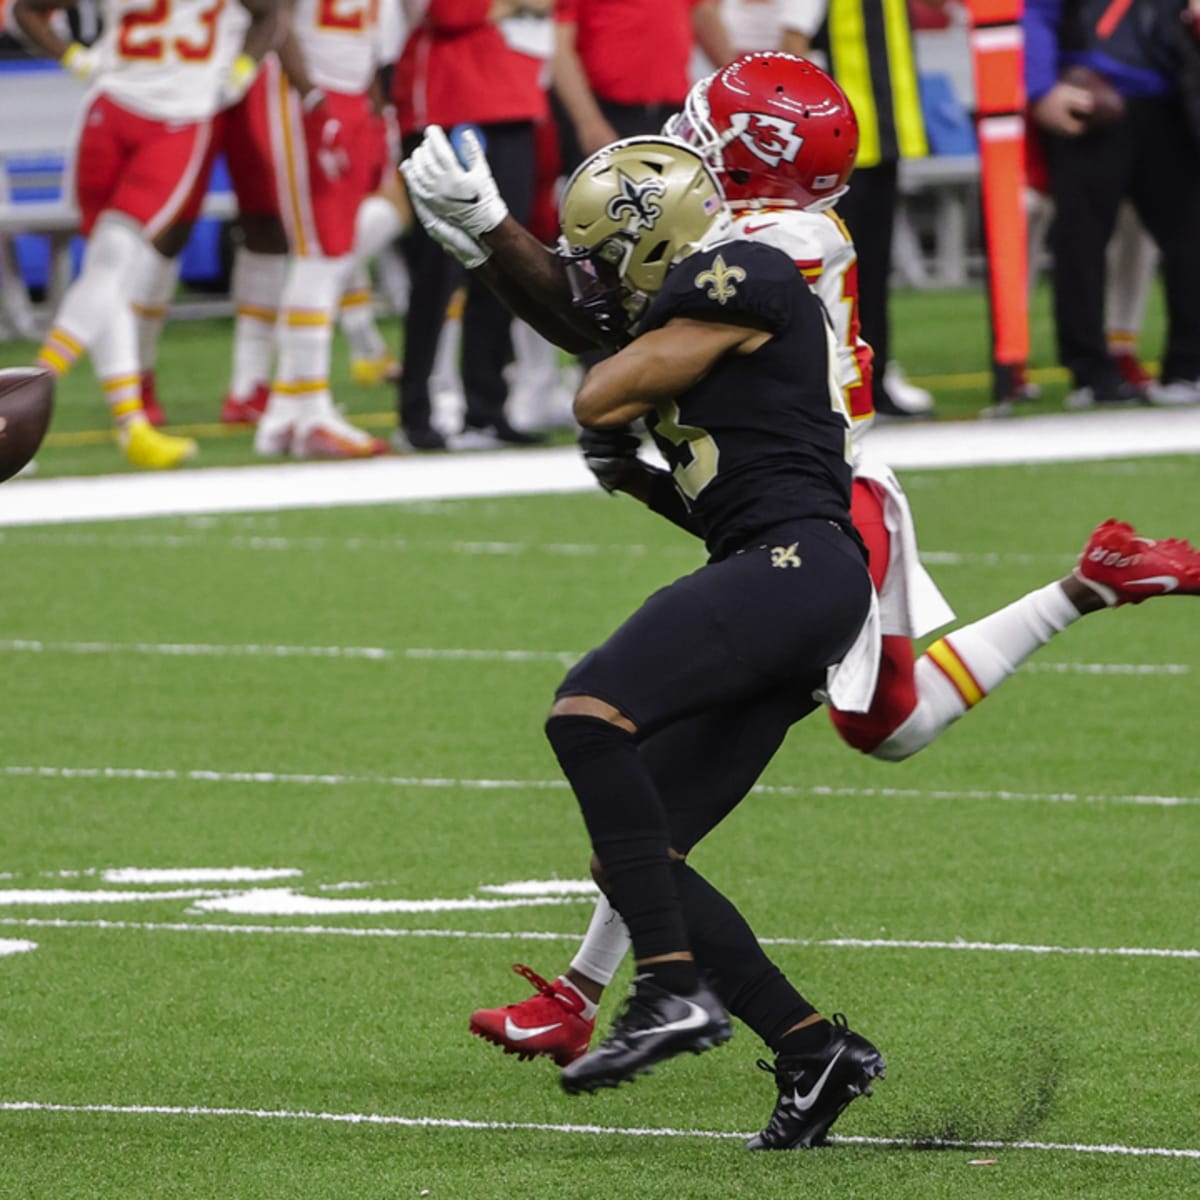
<point x="356" y="696"/>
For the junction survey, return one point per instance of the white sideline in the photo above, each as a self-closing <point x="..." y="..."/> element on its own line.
<point x="172" y="775"/>
<point x="384" y="1119"/>
<point x="511" y="935"/>
<point x="1053" y="438"/>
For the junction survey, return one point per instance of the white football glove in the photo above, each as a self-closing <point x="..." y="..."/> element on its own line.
<point x="464" y="196"/>
<point x="82" y="61"/>
<point x="456" y="242"/>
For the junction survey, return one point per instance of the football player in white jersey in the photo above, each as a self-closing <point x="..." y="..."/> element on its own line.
<point x="323" y="136"/>
<point x="780" y="186"/>
<point x="382" y="217"/>
<point x="258" y="166"/>
<point x="157" y="77"/>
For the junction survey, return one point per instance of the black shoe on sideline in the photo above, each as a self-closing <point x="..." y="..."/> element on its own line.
<point x="418" y="439"/>
<point x="815" y="1089"/>
<point x="654" y="1025"/>
<point x="516" y="437"/>
<point x="1106" y="394"/>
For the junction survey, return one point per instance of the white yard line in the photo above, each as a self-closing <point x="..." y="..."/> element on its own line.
<point x="390" y="1120"/>
<point x="448" y="654"/>
<point x="1053" y="438"/>
<point x="172" y="775"/>
<point x="958" y="945"/>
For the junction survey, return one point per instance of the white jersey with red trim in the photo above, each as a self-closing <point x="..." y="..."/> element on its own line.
<point x="910" y="604"/>
<point x="166" y="59"/>
<point x="341" y="43"/>
<point x="820" y="246"/>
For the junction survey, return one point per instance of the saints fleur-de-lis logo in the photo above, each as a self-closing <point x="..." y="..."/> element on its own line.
<point x="637" y="198"/>
<point x="723" y="280"/>
<point x="785" y="556"/>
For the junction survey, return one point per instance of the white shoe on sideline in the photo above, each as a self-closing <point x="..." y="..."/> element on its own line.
<point x="1177" y="394"/>
<point x="907" y="399"/>
<point x="273" y="433"/>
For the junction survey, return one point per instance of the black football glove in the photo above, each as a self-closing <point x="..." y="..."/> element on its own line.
<point x="611" y="455"/>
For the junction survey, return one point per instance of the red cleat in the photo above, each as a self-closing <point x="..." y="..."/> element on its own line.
<point x="1132" y="370"/>
<point x="550" y="1023"/>
<point x="150" y="405"/>
<point x="246" y="412"/>
<point x="1123" y="567"/>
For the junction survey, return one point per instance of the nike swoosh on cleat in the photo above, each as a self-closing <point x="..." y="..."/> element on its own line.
<point x="695" y="1019"/>
<point x="516" y="1034"/>
<point x="805" y="1102"/>
<point x="1168" y="583"/>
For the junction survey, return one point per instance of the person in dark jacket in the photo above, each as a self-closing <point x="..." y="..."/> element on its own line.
<point x="1104" y="85"/>
<point x="482" y="64"/>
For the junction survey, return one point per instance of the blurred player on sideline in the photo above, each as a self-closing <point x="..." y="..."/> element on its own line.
<point x="382" y="217"/>
<point x="332" y="159"/>
<point x="258" y="171"/>
<point x="745" y="128"/>
<point x="158" y="77"/>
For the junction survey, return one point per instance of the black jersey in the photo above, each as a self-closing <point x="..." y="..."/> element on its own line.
<point x="763" y="438"/>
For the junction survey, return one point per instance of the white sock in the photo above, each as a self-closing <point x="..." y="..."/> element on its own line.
<point x="445" y="380"/>
<point x="589" y="1009"/>
<point x="152" y="292"/>
<point x="310" y="299"/>
<point x="604" y="944"/>
<point x="357" y="317"/>
<point x="1132" y="261"/>
<point x="114" y="356"/>
<point x="258" y="282"/>
<point x="376" y="224"/>
<point x="959" y="670"/>
<point x="111" y="261"/>
<point x="535" y="359"/>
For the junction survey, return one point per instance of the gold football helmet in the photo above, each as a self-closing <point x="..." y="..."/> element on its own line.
<point x="628" y="214"/>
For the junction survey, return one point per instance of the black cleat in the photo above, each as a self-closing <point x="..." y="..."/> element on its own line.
<point x="654" y="1025"/>
<point x="814" y="1089"/>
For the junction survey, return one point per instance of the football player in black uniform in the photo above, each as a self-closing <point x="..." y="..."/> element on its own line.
<point x="732" y="370"/>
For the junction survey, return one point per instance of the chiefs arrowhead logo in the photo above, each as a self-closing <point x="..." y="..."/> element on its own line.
<point x="772" y="139"/>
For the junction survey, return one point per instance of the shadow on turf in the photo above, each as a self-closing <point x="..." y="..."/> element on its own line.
<point x="1021" y="1083"/>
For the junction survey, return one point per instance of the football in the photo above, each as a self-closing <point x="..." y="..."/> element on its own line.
<point x="26" y="404"/>
<point x="1108" y="105"/>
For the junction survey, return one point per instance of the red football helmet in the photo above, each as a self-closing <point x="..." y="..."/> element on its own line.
<point x="775" y="128"/>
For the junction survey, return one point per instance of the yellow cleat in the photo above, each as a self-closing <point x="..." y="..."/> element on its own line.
<point x="145" y="447"/>
<point x="371" y="372"/>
